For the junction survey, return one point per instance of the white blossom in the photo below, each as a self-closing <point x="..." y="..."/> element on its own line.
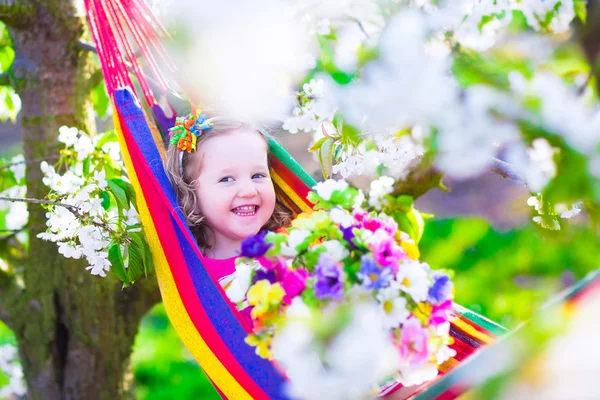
<point x="18" y="167"/>
<point x="379" y="189"/>
<point x="9" y="364"/>
<point x="336" y="250"/>
<point x="237" y="289"/>
<point x="414" y="279"/>
<point x="68" y="135"/>
<point x="327" y="188"/>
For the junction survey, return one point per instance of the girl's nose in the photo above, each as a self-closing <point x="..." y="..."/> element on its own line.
<point x="247" y="190"/>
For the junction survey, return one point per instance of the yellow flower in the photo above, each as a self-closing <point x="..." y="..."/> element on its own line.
<point x="264" y="296"/>
<point x="262" y="344"/>
<point x="411" y="250"/>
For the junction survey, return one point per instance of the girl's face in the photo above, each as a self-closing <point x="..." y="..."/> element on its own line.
<point x="235" y="190"/>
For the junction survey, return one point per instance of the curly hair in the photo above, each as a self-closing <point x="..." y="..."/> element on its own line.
<point x="186" y="185"/>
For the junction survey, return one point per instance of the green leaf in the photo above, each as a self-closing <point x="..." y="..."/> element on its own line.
<point x="326" y="157"/>
<point x="318" y="144"/>
<point x="136" y="262"/>
<point x="128" y="189"/>
<point x="580" y="9"/>
<point x="142" y="244"/>
<point x="110" y="136"/>
<point x="105" y="197"/>
<point x="119" y="195"/>
<point x="100" y="100"/>
<point x="116" y="260"/>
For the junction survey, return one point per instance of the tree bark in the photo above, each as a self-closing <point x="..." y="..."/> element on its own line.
<point x="75" y="331"/>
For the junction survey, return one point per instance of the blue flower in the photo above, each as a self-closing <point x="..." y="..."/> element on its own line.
<point x="329" y="283"/>
<point x="255" y="246"/>
<point x="441" y="289"/>
<point x="373" y="276"/>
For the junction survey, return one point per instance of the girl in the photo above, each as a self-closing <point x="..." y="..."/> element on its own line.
<point x="220" y="171"/>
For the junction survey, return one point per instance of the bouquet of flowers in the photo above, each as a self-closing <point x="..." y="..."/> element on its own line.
<point x="340" y="300"/>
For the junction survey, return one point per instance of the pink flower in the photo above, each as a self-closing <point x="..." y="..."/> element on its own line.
<point x="385" y="250"/>
<point x="373" y="224"/>
<point x="441" y="313"/>
<point x="293" y="283"/>
<point x="413" y="342"/>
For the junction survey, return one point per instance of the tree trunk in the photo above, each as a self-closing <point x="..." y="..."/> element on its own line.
<point x="75" y="331"/>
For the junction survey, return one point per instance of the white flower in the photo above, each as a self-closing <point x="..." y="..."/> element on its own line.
<point x="131" y="216"/>
<point x="69" y="250"/>
<point x="294" y="239"/>
<point x="84" y="147"/>
<point x="414" y="279"/>
<point x="17" y="216"/>
<point x="362" y="353"/>
<point x="380" y="188"/>
<point x="443" y="354"/>
<point x="68" y="136"/>
<point x="9" y="365"/>
<point x="113" y="150"/>
<point x="340" y="216"/>
<point x="392" y="306"/>
<point x="569" y="212"/>
<point x="325" y="189"/>
<point x="98" y="263"/>
<point x="18" y="167"/>
<point x="549" y="222"/>
<point x="237" y="289"/>
<point x="336" y="250"/>
<point x="416" y="375"/>
<point x="100" y="179"/>
<point x="359" y="200"/>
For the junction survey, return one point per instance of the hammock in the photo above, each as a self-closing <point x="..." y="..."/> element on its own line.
<point x="207" y="323"/>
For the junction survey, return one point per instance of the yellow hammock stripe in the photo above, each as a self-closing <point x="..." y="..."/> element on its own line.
<point x="174" y="306"/>
<point x="468" y="329"/>
<point x="300" y="202"/>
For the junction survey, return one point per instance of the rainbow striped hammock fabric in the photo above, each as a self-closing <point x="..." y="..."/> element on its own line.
<point x="206" y="321"/>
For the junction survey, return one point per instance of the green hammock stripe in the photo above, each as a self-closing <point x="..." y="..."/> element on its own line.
<point x="282" y="155"/>
<point x="480" y="320"/>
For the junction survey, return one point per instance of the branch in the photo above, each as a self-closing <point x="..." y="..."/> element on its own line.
<point x="34" y="161"/>
<point x="73" y="209"/>
<point x="38" y="201"/>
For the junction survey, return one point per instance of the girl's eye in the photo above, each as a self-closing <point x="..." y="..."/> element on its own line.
<point x="256" y="176"/>
<point x="226" y="179"/>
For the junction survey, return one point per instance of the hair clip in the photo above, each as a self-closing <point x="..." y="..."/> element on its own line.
<point x="186" y="131"/>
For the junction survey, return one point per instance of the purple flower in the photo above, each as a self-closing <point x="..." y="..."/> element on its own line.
<point x="349" y="235"/>
<point x="329" y="282"/>
<point x="261" y="274"/>
<point x="441" y="289"/>
<point x="372" y="275"/>
<point x="255" y="246"/>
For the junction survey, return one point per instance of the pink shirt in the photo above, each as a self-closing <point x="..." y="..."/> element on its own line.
<point x="224" y="271"/>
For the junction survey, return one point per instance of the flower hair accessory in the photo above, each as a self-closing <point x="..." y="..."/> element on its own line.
<point x="187" y="129"/>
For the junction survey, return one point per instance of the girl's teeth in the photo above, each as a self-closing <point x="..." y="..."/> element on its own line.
<point x="245" y="211"/>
